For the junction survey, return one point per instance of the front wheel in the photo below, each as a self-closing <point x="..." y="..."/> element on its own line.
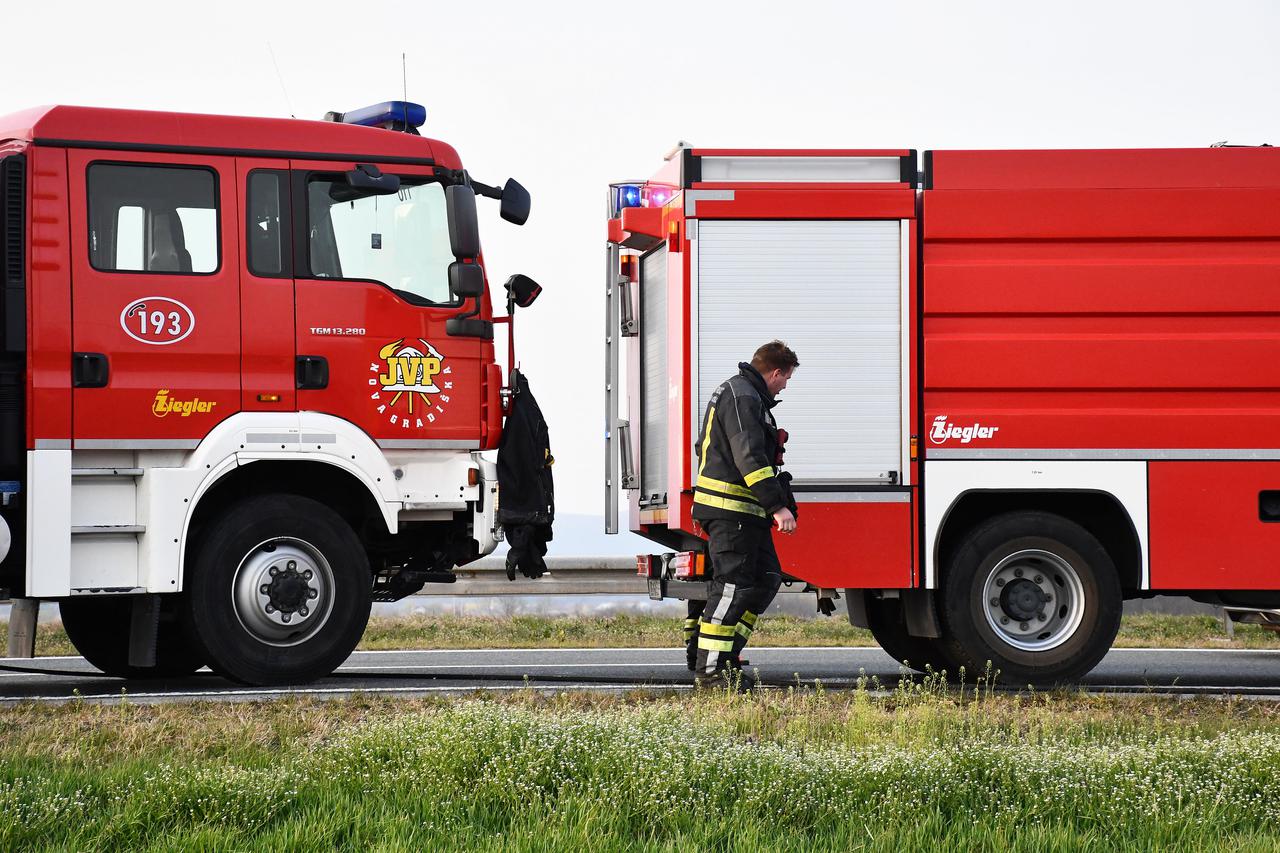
<point x="279" y="591"/>
<point x="1034" y="594"/>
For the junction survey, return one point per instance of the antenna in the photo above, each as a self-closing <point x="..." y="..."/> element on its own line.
<point x="280" y="77"/>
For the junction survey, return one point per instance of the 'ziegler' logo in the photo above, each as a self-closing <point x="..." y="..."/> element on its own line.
<point x="164" y="405"/>
<point x="414" y="379"/>
<point x="941" y="431"/>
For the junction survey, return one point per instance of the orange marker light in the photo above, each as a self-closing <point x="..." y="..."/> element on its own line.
<point x="268" y="398"/>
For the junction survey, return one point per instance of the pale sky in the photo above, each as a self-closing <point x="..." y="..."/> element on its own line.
<point x="567" y="97"/>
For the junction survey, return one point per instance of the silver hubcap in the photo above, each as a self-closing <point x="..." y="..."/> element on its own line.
<point x="283" y="591"/>
<point x="1033" y="600"/>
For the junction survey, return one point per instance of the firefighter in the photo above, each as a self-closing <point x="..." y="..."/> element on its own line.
<point x="738" y="498"/>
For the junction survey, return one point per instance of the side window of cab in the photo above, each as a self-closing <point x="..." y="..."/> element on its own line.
<point x="400" y="240"/>
<point x="153" y="219"/>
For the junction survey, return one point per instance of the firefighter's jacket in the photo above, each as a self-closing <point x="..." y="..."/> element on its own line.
<point x="526" y="497"/>
<point x="737" y="447"/>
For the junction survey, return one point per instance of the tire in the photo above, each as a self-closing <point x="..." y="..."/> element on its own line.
<point x="889" y="627"/>
<point x="99" y="629"/>
<point x="278" y="591"/>
<point x="1033" y="593"/>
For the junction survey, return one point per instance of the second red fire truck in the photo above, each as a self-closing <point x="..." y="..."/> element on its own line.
<point x="1034" y="383"/>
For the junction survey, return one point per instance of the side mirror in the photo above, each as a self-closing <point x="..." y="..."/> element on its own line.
<point x="522" y="290"/>
<point x="369" y="180"/>
<point x="466" y="280"/>
<point x="464" y="228"/>
<point x="515" y="202"/>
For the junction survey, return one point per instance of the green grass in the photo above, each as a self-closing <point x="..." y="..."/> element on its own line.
<point x="478" y="632"/>
<point x="917" y="768"/>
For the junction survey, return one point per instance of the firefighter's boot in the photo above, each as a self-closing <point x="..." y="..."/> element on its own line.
<point x="728" y="678"/>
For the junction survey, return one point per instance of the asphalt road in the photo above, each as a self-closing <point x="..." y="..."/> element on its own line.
<point x="425" y="673"/>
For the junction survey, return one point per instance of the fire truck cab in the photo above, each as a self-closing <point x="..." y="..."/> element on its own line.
<point x="246" y="374"/>
<point x="1032" y="384"/>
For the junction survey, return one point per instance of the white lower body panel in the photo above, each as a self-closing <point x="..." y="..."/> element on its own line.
<point x="947" y="481"/>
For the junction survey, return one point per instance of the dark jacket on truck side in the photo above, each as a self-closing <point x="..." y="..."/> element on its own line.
<point x="526" y="496"/>
<point x="737" y="448"/>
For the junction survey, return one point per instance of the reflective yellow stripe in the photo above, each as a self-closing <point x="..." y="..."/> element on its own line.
<point x="716" y="629"/>
<point x="715" y="645"/>
<point x="722" y="486"/>
<point x="750" y="618"/>
<point x="706" y="441"/>
<point x="743" y="628"/>
<point x="729" y="504"/>
<point x="758" y="475"/>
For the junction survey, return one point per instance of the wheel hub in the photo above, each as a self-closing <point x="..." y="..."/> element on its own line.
<point x="283" y="591"/>
<point x="1022" y="600"/>
<point x="1033" y="600"/>
<point x="289" y="591"/>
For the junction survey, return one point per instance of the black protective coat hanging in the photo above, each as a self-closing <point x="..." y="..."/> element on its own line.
<point x="526" y="494"/>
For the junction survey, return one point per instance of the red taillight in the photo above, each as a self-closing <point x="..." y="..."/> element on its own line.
<point x="689" y="564"/>
<point x="647" y="565"/>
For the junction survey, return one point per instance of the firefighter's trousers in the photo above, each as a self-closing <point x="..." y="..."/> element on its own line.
<point x="745" y="576"/>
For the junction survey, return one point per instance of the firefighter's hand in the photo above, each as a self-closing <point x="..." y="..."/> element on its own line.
<point x="785" y="520"/>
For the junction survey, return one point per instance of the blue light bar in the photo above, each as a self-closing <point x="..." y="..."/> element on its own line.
<point x="628" y="196"/>
<point x="388" y="114"/>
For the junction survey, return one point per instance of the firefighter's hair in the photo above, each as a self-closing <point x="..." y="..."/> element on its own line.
<point x="774" y="355"/>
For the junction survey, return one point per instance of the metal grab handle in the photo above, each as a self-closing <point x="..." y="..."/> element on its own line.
<point x="612" y="486"/>
<point x="628" y="464"/>
<point x="626" y="304"/>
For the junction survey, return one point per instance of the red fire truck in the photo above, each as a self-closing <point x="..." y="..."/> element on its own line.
<point x="1033" y="384"/>
<point x="246" y="371"/>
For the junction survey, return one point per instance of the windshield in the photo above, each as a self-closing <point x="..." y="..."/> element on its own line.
<point x="400" y="240"/>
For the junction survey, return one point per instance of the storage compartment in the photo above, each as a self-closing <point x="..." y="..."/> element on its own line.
<point x="1210" y="525"/>
<point x="834" y="292"/>
<point x="653" y="378"/>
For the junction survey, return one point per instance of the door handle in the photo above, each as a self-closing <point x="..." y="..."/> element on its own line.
<point x="89" y="370"/>
<point x="312" y="372"/>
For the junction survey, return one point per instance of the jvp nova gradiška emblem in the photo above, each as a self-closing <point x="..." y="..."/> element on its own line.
<point x="410" y="384"/>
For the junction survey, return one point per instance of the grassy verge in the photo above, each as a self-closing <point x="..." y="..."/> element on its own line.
<point x="918" y="768"/>
<point x="478" y="632"/>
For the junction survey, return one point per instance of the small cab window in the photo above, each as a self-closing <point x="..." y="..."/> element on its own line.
<point x="267" y="219"/>
<point x="161" y="219"/>
<point x="400" y="240"/>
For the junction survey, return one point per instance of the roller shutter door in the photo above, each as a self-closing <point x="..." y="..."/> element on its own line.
<point x="653" y="377"/>
<point x="833" y="292"/>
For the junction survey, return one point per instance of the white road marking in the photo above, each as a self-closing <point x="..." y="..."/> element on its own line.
<point x="487" y="666"/>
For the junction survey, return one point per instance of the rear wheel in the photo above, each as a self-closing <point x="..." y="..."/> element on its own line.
<point x="279" y="591"/>
<point x="1033" y="593"/>
<point x="889" y="627"/>
<point x="99" y="629"/>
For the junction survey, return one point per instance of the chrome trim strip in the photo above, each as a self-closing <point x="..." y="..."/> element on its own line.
<point x="53" y="444"/>
<point x="272" y="438"/>
<point x="853" y="497"/>
<point x="428" y="444"/>
<point x="1094" y="454"/>
<point x="136" y="444"/>
<point x="692" y="197"/>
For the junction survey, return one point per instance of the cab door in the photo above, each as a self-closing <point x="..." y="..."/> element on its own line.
<point x="372" y="301"/>
<point x="155" y="298"/>
<point x="266" y="286"/>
